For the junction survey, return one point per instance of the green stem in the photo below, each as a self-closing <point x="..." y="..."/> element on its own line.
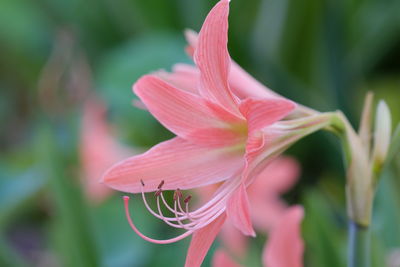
<point x="359" y="246"/>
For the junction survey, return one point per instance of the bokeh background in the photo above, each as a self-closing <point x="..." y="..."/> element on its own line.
<point x="57" y="55"/>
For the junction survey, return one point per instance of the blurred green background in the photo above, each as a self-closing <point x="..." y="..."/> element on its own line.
<point x="324" y="54"/>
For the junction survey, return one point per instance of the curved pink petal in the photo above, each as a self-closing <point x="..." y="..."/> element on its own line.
<point x="186" y="114"/>
<point x="202" y="240"/>
<point x="238" y="212"/>
<point x="181" y="164"/>
<point x="221" y="259"/>
<point x="213" y="60"/>
<point x="183" y="76"/>
<point x="231" y="237"/>
<point x="262" y="115"/>
<point x="285" y="246"/>
<point x="234" y="240"/>
<point x="263" y="112"/>
<point x="192" y="38"/>
<point x="242" y="84"/>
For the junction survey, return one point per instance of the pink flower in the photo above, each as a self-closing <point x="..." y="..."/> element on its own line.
<point x="98" y="149"/>
<point x="221" y="138"/>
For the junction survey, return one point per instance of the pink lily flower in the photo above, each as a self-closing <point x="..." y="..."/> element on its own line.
<point x="221" y="138"/>
<point x="98" y="149"/>
<point x="284" y="247"/>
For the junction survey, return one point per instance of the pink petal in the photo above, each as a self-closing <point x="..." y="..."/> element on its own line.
<point x="213" y="60"/>
<point x="201" y="242"/>
<point x="234" y="240"/>
<point x="221" y="259"/>
<point x="263" y="112"/>
<point x="242" y="84"/>
<point x="186" y="114"/>
<point x="238" y="211"/>
<point x="285" y="246"/>
<point x="192" y="38"/>
<point x="231" y="237"/>
<point x="179" y="163"/>
<point x="183" y="76"/>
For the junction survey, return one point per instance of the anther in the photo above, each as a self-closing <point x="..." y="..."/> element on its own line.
<point x="177" y="194"/>
<point x="158" y="193"/>
<point x="187" y="199"/>
<point x="160" y="185"/>
<point x="141" y="181"/>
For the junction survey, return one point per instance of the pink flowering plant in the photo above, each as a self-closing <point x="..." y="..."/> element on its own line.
<point x="229" y="129"/>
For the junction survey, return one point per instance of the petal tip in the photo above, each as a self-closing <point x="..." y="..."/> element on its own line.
<point x="142" y="82"/>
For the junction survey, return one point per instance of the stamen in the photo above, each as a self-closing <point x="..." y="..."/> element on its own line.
<point x="177" y="194"/>
<point x="160" y="185"/>
<point x="168" y="220"/>
<point x="157" y="241"/>
<point x="146" y="204"/>
<point x="158" y="193"/>
<point x="187" y="199"/>
<point x="179" y="221"/>
<point x="183" y="218"/>
<point x="168" y="206"/>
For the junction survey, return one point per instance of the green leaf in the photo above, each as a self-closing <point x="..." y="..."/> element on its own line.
<point x="386" y="219"/>
<point x="324" y="235"/>
<point x="71" y="232"/>
<point x="118" y="244"/>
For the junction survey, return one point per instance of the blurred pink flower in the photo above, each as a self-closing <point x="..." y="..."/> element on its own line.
<point x="222" y="259"/>
<point x="98" y="149"/>
<point x="221" y="138"/>
<point x="265" y="193"/>
<point x="284" y="247"/>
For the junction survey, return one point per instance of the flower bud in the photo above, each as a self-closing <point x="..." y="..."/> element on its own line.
<point x="382" y="136"/>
